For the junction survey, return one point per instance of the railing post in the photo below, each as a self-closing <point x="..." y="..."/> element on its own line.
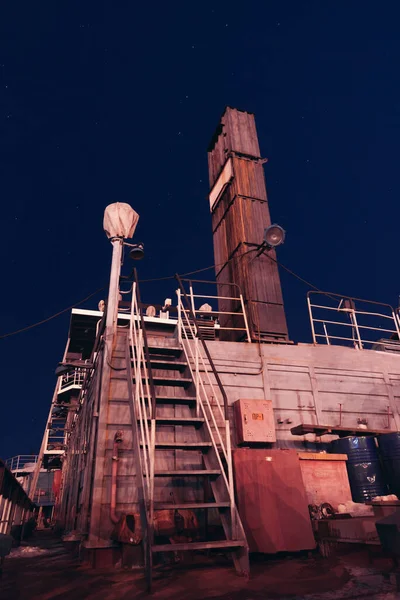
<point x="353" y="318"/>
<point x="396" y="323"/>
<point x="180" y="324"/>
<point x="192" y="299"/>
<point x="311" y="319"/>
<point x="196" y="343"/>
<point x="246" y="324"/>
<point x="328" y="343"/>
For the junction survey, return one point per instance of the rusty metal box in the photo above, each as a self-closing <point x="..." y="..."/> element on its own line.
<point x="325" y="478"/>
<point x="254" y="421"/>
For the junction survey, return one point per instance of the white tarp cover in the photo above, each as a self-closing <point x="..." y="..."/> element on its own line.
<point x="120" y="220"/>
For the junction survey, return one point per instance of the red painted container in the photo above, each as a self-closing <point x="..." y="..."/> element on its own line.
<point x="272" y="500"/>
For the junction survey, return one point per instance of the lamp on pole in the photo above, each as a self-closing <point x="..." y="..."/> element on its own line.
<point x="120" y="221"/>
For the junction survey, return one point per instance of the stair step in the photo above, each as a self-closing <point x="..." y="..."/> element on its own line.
<point x="168" y="364"/>
<point x="191" y="400"/>
<point x="182" y="445"/>
<point x="173" y="381"/>
<point x="198" y="546"/>
<point x="166" y="350"/>
<point x="189" y="473"/>
<point x="192" y="505"/>
<point x="196" y="421"/>
<point x="181" y="400"/>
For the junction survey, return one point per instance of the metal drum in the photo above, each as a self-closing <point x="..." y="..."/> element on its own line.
<point x="363" y="467"/>
<point x="389" y="449"/>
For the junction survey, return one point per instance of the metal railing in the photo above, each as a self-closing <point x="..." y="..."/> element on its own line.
<point x="142" y="401"/>
<point x="21" y="462"/>
<point x="220" y="314"/>
<point x="75" y="377"/>
<point x="46" y="448"/>
<point x="350" y="321"/>
<point x="191" y="337"/>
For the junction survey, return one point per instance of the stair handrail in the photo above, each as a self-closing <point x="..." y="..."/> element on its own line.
<point x="142" y="406"/>
<point x="143" y="495"/>
<point x="143" y="402"/>
<point x="226" y="448"/>
<point x="203" y="343"/>
<point x="146" y="348"/>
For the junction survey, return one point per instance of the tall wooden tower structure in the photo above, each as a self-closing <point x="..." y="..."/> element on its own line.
<point x="240" y="213"/>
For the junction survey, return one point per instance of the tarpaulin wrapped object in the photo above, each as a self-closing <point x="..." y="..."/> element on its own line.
<point x="120" y="220"/>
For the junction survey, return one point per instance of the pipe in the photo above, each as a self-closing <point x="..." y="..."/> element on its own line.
<point x="114" y="473"/>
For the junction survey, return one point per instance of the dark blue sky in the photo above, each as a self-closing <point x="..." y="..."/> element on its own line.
<point x="105" y="103"/>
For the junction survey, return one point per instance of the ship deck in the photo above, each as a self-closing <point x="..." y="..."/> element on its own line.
<point x="45" y="570"/>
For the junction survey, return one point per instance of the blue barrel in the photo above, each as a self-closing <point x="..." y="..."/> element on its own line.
<point x="363" y="467"/>
<point x="389" y="449"/>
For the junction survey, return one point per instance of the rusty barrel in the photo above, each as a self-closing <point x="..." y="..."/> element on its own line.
<point x="363" y="466"/>
<point x="389" y="449"/>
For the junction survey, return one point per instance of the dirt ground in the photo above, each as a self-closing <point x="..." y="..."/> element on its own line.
<point x="44" y="570"/>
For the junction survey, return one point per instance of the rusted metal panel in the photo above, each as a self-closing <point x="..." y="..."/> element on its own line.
<point x="285" y="374"/>
<point x="325" y="478"/>
<point x="236" y="132"/>
<point x="240" y="214"/>
<point x="272" y="500"/>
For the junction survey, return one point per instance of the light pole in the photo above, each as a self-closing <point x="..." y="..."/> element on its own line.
<point x="120" y="221"/>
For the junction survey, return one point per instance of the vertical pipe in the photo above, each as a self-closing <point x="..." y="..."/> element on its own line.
<point x="96" y="525"/>
<point x="113" y="292"/>
<point x="114" y="476"/>
<point x="230" y="480"/>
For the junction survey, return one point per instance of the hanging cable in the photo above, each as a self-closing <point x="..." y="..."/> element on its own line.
<point x="5" y="335"/>
<point x="28" y="327"/>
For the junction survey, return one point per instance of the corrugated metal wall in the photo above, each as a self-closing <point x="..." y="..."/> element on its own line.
<point x="307" y="384"/>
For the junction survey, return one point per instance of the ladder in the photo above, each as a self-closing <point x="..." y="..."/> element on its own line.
<point x="181" y="434"/>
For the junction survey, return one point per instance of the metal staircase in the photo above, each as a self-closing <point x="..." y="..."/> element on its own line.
<point x="181" y="434"/>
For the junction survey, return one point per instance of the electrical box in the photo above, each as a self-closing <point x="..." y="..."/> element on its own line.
<point x="254" y="421"/>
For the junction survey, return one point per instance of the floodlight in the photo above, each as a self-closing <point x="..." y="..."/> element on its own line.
<point x="274" y="235"/>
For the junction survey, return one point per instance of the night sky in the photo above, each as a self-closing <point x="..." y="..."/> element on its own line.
<point x="103" y="103"/>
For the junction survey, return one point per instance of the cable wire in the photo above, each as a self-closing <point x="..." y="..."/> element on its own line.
<point x="5" y="335"/>
<point x="28" y="327"/>
<point x="298" y="277"/>
<point x="213" y="266"/>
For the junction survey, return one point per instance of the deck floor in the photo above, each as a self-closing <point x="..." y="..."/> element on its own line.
<point x="44" y="570"/>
